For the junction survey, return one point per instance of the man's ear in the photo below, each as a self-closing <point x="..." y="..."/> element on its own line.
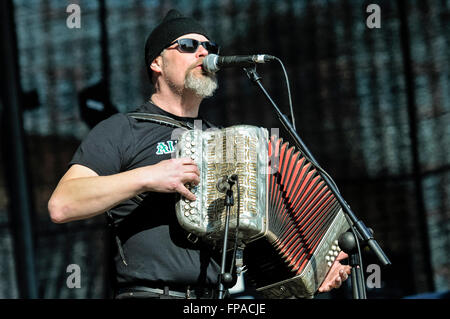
<point x="156" y="65"/>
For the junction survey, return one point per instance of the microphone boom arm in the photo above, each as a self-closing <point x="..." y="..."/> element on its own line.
<point x="357" y="223"/>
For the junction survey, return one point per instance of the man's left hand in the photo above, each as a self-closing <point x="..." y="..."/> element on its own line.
<point x="337" y="274"/>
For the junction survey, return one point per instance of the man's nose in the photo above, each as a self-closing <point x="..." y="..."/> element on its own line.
<point x="201" y="51"/>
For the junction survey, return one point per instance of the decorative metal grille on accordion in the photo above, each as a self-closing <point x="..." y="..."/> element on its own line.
<point x="288" y="218"/>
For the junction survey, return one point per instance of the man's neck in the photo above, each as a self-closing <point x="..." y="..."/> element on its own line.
<point x="183" y="105"/>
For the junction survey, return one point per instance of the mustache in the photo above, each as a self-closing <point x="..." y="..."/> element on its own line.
<point x="197" y="63"/>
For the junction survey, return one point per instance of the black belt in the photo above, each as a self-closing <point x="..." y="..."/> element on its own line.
<point x="187" y="293"/>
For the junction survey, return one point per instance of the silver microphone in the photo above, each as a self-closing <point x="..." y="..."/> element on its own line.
<point x="213" y="63"/>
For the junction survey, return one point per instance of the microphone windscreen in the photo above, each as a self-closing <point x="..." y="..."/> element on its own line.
<point x="210" y="63"/>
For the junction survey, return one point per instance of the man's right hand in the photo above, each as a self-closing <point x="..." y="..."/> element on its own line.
<point x="170" y="176"/>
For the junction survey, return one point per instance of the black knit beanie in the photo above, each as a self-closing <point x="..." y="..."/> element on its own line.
<point x="173" y="26"/>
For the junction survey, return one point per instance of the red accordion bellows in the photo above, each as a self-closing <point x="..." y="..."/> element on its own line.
<point x="301" y="209"/>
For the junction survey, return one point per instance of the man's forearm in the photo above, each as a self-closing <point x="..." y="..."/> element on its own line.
<point x="85" y="197"/>
<point x="81" y="193"/>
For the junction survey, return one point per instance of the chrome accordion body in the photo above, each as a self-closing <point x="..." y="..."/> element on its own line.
<point x="288" y="218"/>
<point x="233" y="150"/>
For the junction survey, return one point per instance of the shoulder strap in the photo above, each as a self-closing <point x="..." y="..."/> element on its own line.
<point x="164" y="120"/>
<point x="160" y="119"/>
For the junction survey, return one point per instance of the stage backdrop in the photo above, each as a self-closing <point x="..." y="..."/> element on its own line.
<point x="371" y="101"/>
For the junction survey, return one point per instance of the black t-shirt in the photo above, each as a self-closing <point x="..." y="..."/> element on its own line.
<point x="155" y="246"/>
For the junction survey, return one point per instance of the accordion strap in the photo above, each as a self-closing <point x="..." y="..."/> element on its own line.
<point x="113" y="227"/>
<point x="160" y="119"/>
<point x="163" y="120"/>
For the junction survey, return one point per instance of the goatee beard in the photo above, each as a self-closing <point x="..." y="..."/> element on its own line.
<point x="203" y="86"/>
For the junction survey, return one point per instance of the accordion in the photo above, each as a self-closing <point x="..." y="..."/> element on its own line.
<point x="286" y="215"/>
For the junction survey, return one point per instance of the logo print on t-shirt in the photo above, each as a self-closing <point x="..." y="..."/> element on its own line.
<point x="165" y="148"/>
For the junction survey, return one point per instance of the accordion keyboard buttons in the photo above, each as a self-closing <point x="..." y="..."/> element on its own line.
<point x="189" y="208"/>
<point x="332" y="253"/>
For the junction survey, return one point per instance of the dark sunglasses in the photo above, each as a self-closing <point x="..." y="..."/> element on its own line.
<point x="191" y="45"/>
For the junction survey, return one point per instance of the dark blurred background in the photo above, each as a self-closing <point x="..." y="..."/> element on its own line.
<point x="372" y="105"/>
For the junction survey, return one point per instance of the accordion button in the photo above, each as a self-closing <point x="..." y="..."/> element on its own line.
<point x="329" y="264"/>
<point x="336" y="253"/>
<point x="327" y="258"/>
<point x="193" y="211"/>
<point x="186" y="206"/>
<point x="333" y="247"/>
<point x="186" y="213"/>
<point x="193" y="204"/>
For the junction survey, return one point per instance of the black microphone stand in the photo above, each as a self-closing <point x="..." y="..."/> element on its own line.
<point x="364" y="232"/>
<point x="224" y="277"/>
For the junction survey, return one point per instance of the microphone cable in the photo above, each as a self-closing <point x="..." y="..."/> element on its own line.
<point x="288" y="90"/>
<point x="315" y="164"/>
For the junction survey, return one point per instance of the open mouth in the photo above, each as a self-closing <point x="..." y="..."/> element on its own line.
<point x="199" y="67"/>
